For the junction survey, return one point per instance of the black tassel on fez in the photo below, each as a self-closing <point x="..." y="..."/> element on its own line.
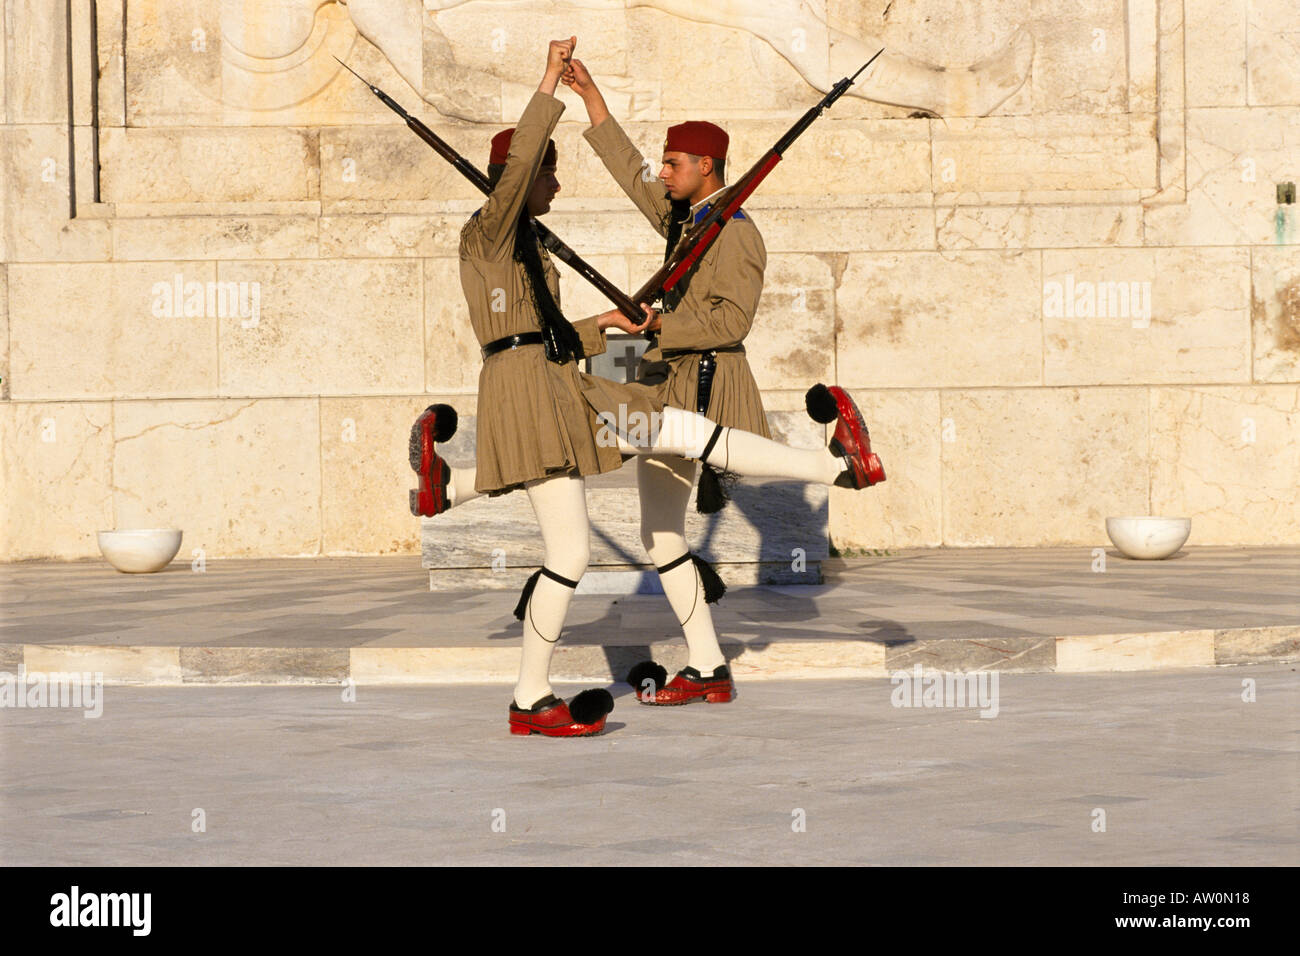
<point x="713" y="586"/>
<point x="522" y="607"/>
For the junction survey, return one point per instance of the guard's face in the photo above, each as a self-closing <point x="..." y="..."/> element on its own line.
<point x="681" y="175"/>
<point x="545" y="186"/>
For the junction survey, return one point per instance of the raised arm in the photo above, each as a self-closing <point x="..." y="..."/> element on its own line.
<point x="499" y="215"/>
<point x="623" y="160"/>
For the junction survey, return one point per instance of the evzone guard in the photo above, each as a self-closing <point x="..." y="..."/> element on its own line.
<point x="543" y="425"/>
<point x="696" y="356"/>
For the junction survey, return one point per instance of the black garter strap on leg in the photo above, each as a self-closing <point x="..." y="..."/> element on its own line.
<point x="531" y="583"/>
<point x="713" y="439"/>
<point x="714" y="588"/>
<point x="673" y="563"/>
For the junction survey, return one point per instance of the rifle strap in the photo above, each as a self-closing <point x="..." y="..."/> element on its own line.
<point x="677" y="218"/>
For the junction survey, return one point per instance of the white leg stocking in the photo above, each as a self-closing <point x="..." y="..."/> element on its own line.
<point x="689" y="434"/>
<point x="664" y="485"/>
<point x="461" y="487"/>
<point x="560" y="503"/>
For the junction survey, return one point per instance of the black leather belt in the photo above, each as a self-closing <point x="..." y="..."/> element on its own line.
<point x="704" y="376"/>
<point x="674" y="353"/>
<point x="513" y="342"/>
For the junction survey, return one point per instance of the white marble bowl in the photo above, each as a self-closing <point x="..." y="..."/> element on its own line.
<point x="140" y="551"/>
<point x="1148" y="538"/>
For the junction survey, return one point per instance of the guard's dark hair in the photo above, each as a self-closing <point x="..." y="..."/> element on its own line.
<point x="719" y="167"/>
<point x="528" y="252"/>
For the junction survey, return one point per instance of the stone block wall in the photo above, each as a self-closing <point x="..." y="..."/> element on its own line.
<point x="1084" y="303"/>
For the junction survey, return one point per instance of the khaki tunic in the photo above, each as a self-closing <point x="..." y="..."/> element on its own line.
<point x="718" y="298"/>
<point x="535" y="417"/>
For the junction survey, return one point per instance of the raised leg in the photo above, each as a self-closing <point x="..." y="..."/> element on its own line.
<point x="691" y="435"/>
<point x="848" y="461"/>
<point x="440" y="486"/>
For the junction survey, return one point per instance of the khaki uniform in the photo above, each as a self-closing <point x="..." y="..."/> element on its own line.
<point x="712" y="306"/>
<point x="535" y="417"/>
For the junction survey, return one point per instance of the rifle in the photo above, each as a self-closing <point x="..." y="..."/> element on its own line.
<point x="699" y="239"/>
<point x="471" y="172"/>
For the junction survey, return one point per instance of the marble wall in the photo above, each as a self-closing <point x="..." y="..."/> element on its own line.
<point x="1057" y="274"/>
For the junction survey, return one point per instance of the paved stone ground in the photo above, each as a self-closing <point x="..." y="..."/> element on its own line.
<point x="908" y="596"/>
<point x="1186" y="772"/>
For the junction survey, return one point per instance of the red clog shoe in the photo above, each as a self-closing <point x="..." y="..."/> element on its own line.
<point x="437" y="423"/>
<point x="851" y="440"/>
<point x="552" y="717"/>
<point x="688" y="685"/>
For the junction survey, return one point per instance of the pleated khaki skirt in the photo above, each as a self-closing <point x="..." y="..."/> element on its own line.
<point x="734" y="399"/>
<point x="537" y="419"/>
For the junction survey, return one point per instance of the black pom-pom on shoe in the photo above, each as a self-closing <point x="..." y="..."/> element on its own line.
<point x="821" y="404"/>
<point x="591" y="705"/>
<point x="647" y="671"/>
<point x="445" y="423"/>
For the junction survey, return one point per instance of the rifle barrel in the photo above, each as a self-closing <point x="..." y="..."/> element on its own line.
<point x="352" y="71"/>
<point x="867" y="64"/>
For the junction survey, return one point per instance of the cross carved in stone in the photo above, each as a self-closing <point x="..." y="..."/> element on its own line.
<point x="627" y="362"/>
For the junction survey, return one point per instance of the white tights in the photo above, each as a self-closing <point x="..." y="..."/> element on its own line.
<point x="560" y="503"/>
<point x="664" y="486"/>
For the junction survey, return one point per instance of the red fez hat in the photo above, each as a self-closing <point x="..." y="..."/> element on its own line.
<point x="697" y="138"/>
<point x="501" y="149"/>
